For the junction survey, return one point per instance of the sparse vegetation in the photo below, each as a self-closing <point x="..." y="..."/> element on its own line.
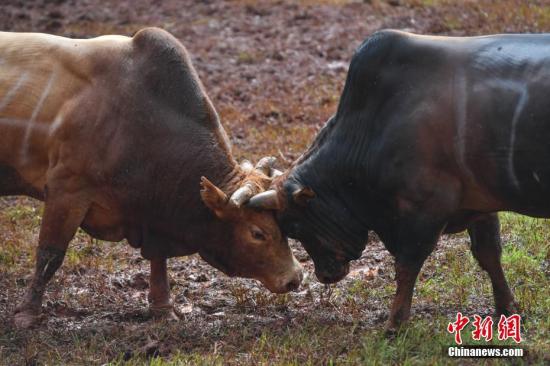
<point x="265" y="66"/>
<point x="97" y="305"/>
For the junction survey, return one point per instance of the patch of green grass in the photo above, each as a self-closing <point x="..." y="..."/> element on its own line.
<point x="453" y="22"/>
<point x="427" y="3"/>
<point x="451" y="281"/>
<point x="423" y="342"/>
<point x="409" y="347"/>
<point x="526" y="261"/>
<point x="27" y="215"/>
<point x="9" y="254"/>
<point x="245" y="57"/>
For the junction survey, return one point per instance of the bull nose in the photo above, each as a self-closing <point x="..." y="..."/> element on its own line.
<point x="294" y="284"/>
<point x="332" y="277"/>
<point x="324" y="278"/>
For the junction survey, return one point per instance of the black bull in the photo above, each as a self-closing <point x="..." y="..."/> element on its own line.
<point x="432" y="135"/>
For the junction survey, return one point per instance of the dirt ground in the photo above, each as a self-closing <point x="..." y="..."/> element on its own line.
<point x="274" y="71"/>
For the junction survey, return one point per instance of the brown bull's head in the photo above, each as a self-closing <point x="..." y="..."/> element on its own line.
<point x="256" y="248"/>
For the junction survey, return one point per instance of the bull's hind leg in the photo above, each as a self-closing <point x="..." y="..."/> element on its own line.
<point x="486" y="248"/>
<point x="63" y="214"/>
<point x="159" y="291"/>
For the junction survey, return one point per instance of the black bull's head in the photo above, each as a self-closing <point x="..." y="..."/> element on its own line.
<point x="296" y="208"/>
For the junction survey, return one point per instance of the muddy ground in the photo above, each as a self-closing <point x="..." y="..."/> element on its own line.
<point x="274" y="70"/>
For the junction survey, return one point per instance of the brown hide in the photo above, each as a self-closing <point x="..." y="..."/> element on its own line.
<point x="115" y="133"/>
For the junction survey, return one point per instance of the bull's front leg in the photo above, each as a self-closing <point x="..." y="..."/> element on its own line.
<point x="410" y="244"/>
<point x="406" y="273"/>
<point x="63" y="214"/>
<point x="160" y="304"/>
<point x="48" y="260"/>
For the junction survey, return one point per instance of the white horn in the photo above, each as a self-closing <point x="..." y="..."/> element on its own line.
<point x="276" y="173"/>
<point x="265" y="164"/>
<point x="247" y="166"/>
<point x="268" y="200"/>
<point x="241" y="195"/>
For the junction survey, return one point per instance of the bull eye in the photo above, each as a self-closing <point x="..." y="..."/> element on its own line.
<point x="257" y="234"/>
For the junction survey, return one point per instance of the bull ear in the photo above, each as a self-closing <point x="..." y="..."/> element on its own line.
<point x="302" y="196"/>
<point x="214" y="198"/>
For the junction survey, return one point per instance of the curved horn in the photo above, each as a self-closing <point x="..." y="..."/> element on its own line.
<point x="246" y="166"/>
<point x="241" y="195"/>
<point x="268" y="200"/>
<point x="265" y="164"/>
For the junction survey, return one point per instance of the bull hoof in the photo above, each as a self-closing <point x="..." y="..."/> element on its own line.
<point x="511" y="308"/>
<point x="391" y="331"/>
<point x="393" y="328"/>
<point x="164" y="313"/>
<point x="26" y="319"/>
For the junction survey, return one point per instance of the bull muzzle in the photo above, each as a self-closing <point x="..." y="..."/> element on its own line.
<point x="288" y="281"/>
<point x="332" y="274"/>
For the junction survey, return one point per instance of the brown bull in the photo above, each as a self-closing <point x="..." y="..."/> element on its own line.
<point x="114" y="135"/>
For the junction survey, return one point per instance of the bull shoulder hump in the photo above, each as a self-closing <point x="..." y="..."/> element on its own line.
<point x="169" y="66"/>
